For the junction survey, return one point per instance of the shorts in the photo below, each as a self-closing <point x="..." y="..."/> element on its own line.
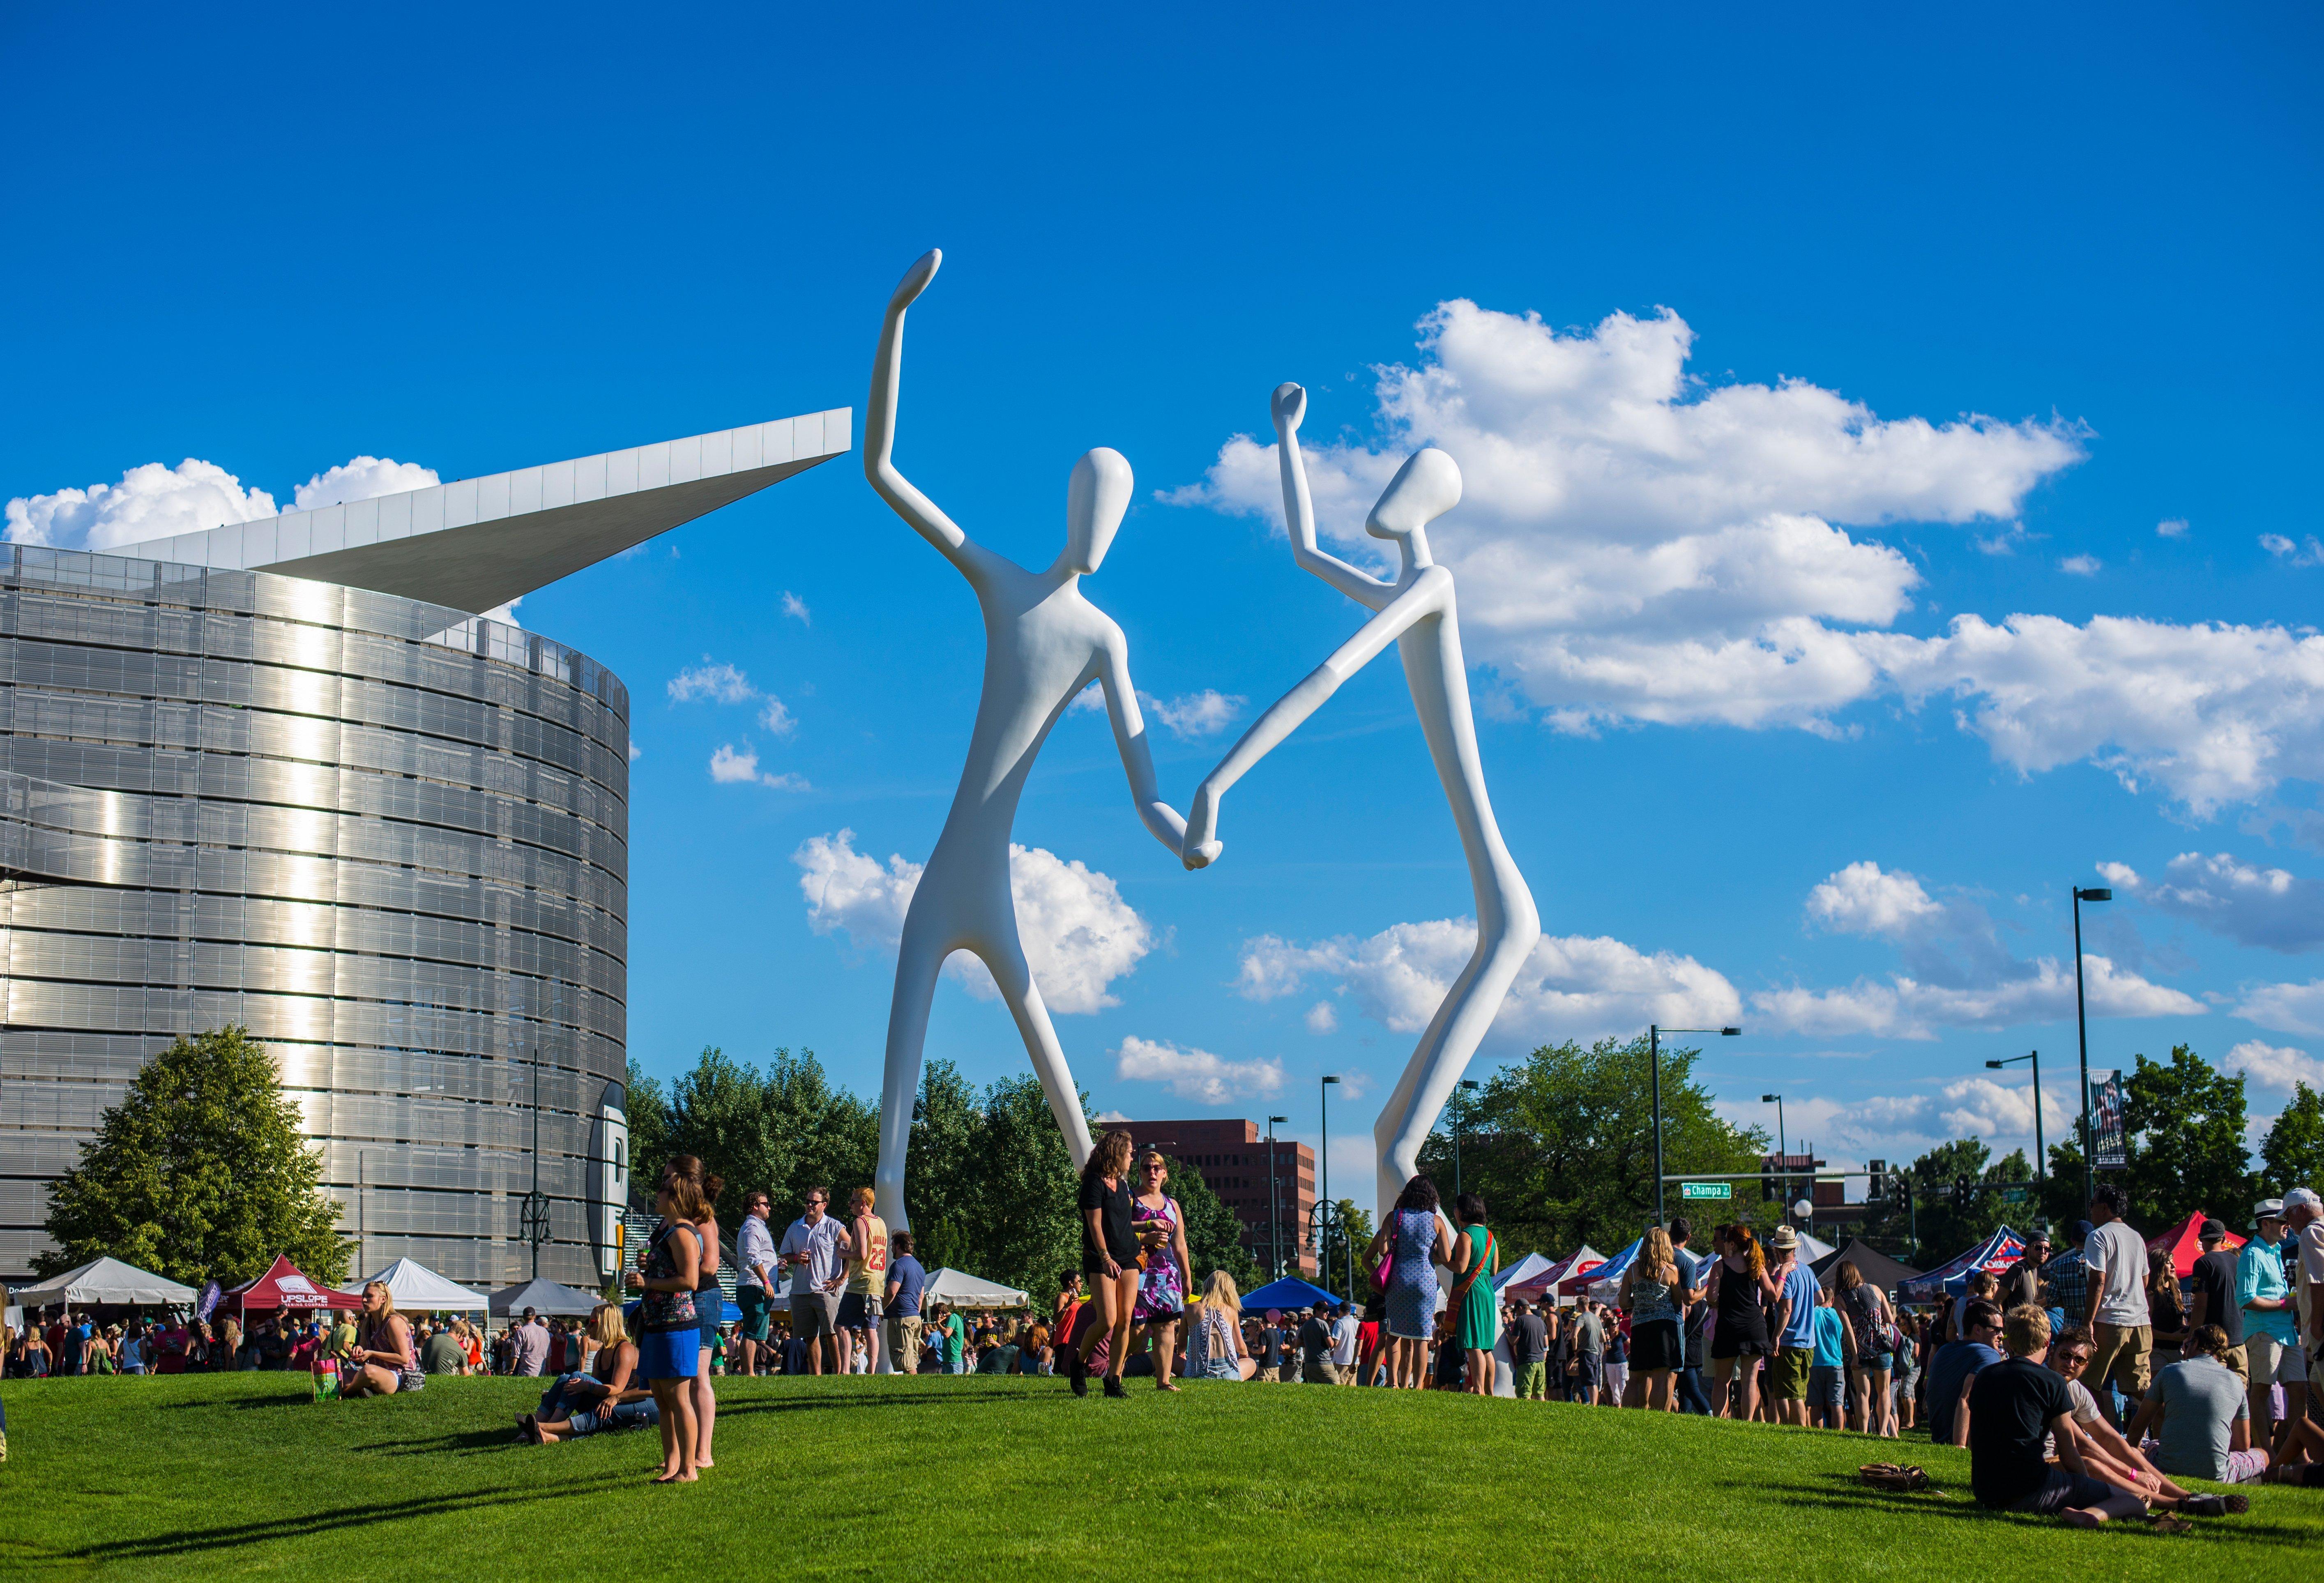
<point x="2274" y="1362"/>
<point x="1877" y="1362"/>
<point x="410" y="1380"/>
<point x="1321" y="1371"/>
<point x="858" y="1311"/>
<point x="2238" y="1364"/>
<point x="815" y="1314"/>
<point x="1533" y="1383"/>
<point x="2244" y="1467"/>
<point x="669" y="1354"/>
<point x="1654" y="1345"/>
<point x="1739" y="1341"/>
<point x="757" y="1312"/>
<point x="2064" y="1488"/>
<point x="2123" y="1356"/>
<point x="1787" y="1373"/>
<point x="1591" y="1374"/>
<point x="710" y="1307"/>
<point x="1827" y="1387"/>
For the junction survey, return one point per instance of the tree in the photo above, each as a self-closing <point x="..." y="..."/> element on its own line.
<point x="200" y="1171"/>
<point x="2293" y="1152"/>
<point x="1561" y="1145"/>
<point x="2183" y="1124"/>
<point x="648" y="1108"/>
<point x="781" y="1130"/>
<point x="1349" y="1240"/>
<point x="1213" y="1234"/>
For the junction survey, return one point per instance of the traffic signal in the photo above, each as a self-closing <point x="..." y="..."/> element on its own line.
<point x="1962" y="1188"/>
<point x="1877" y="1189"/>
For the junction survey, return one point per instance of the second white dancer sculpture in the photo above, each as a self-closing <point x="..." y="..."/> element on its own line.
<point x="1043" y="644"/>
<point x="1416" y="614"/>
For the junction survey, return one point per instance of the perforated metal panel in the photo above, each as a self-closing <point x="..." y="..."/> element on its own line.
<point x="388" y="838"/>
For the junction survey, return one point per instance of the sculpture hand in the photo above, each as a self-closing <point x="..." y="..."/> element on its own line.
<point x="1289" y="405"/>
<point x="1201" y="846"/>
<point x="916" y="280"/>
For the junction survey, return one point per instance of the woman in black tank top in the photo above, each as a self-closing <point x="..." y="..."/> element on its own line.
<point x="1738" y="1285"/>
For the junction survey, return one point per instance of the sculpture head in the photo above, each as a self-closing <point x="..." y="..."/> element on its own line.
<point x="1423" y="489"/>
<point x="1095" y="501"/>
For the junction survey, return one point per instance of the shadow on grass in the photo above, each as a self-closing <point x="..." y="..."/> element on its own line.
<point x="727" y="1409"/>
<point x="195" y="1542"/>
<point x="1958" y="1505"/>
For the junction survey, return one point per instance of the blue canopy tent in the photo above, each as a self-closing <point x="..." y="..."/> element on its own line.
<point x="1289" y="1292"/>
<point x="1996" y="1253"/>
<point x="1609" y="1274"/>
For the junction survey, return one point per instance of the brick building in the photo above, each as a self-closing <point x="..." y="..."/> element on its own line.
<point x="1232" y="1156"/>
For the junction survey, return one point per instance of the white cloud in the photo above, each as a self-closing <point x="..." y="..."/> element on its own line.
<point x="2308" y="553"/>
<point x="2082" y="566"/>
<point x="2172" y="527"/>
<point x="1079" y="934"/>
<point x="776" y="718"/>
<point x="1633" y="545"/>
<point x="636" y="752"/>
<point x="1089" y="700"/>
<point x="1575" y="986"/>
<point x="504" y="613"/>
<point x="1983" y="1107"/>
<point x="1860" y="899"/>
<point x="2271" y="907"/>
<point x="1197" y="1074"/>
<point x="730" y="767"/>
<point x="150" y="501"/>
<point x="720" y="682"/>
<point x="361" y="479"/>
<point x="2275" y="1067"/>
<point x="1321" y="1018"/>
<point x="796" y="608"/>
<point x="1197" y="715"/>
<point x="2287" y="1008"/>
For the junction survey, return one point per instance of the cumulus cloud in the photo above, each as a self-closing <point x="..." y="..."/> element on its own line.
<point x="1635" y="546"/>
<point x="776" y="718"/>
<point x="2275" y="1067"/>
<point x="150" y="501"/>
<point x="1197" y="1074"/>
<point x="1980" y="1107"/>
<point x="796" y="608"/>
<point x="2172" y="527"/>
<point x="2271" y="907"/>
<point x="1321" y="1018"/>
<point x="1571" y="987"/>
<point x="1089" y="700"/>
<point x="2287" y="1008"/>
<point x="1195" y="714"/>
<point x="361" y="479"/>
<point x="720" y="682"/>
<point x="730" y="767"/>
<point x="2082" y="566"/>
<point x="2307" y="553"/>
<point x="636" y="752"/>
<point x="1079" y="934"/>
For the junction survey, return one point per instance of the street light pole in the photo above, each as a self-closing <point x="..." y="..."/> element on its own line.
<point x="1324" y="1182"/>
<point x="1783" y="1154"/>
<point x="1655" y="1065"/>
<point x="1274" y="1222"/>
<point x="2041" y="1154"/>
<point x="2082" y="1033"/>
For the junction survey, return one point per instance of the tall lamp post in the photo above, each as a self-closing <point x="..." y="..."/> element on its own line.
<point x="1274" y="1223"/>
<point x="2041" y="1156"/>
<point x="1783" y="1149"/>
<point x="1459" y="1117"/>
<point x="1323" y="1186"/>
<point x="2082" y="1033"/>
<point x="1655" y="1065"/>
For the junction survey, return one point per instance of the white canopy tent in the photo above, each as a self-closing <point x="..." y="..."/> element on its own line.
<point x="1812" y="1248"/>
<point x="1523" y="1271"/>
<point x="105" y="1280"/>
<point x="955" y="1290"/>
<point x="417" y="1289"/>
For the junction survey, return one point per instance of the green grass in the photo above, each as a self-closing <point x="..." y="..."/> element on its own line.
<point x="985" y="1478"/>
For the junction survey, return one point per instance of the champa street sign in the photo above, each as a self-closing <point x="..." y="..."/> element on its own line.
<point x="1706" y="1189"/>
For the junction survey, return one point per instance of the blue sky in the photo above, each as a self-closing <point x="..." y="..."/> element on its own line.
<point x="1887" y="453"/>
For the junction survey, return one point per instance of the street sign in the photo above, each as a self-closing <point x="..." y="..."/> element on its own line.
<point x="2012" y="1195"/>
<point x="1706" y="1189"/>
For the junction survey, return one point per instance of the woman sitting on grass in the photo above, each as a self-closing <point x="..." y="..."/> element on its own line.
<point x="611" y="1395"/>
<point x="384" y="1363"/>
<point x="1213" y="1333"/>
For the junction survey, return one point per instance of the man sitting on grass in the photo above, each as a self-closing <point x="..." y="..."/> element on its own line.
<point x="2013" y="1405"/>
<point x="1954" y="1370"/>
<point x="2205" y="1428"/>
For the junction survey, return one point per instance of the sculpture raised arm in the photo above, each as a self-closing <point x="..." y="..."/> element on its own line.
<point x="879" y="428"/>
<point x="1289" y="405"/>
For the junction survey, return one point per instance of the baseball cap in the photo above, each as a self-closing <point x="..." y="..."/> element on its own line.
<point x="2211" y="1232"/>
<point x="2300" y="1197"/>
<point x="2267" y="1209"/>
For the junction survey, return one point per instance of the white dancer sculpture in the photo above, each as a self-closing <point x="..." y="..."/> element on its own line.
<point x="1043" y="644"/>
<point x="1417" y="612"/>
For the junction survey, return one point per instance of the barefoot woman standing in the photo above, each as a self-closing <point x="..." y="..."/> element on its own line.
<point x="671" y="1351"/>
<point x="1109" y="1259"/>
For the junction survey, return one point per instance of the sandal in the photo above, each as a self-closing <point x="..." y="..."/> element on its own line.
<point x="2168" y="1523"/>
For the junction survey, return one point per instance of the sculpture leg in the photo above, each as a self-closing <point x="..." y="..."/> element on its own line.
<point x="1006" y="959"/>
<point x="918" y="960"/>
<point x="1442" y="1054"/>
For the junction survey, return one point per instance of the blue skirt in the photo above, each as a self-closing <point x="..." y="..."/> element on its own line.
<point x="669" y="1354"/>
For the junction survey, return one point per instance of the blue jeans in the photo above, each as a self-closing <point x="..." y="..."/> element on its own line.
<point x="952" y="1365"/>
<point x="1692" y="1397"/>
<point x="628" y="1415"/>
<point x="554" y="1402"/>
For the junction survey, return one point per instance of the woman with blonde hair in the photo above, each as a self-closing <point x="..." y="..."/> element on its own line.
<point x="1739" y="1285"/>
<point x="1653" y="1293"/>
<point x="1215" y="1349"/>
<point x="1110" y="1259"/>
<point x="384" y="1363"/>
<point x="1864" y="1309"/>
<point x="610" y="1396"/>
<point x="1160" y="1227"/>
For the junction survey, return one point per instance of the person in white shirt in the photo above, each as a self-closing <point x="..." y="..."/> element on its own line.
<point x="2303" y="1217"/>
<point x="815" y="1248"/>
<point x="1344" y="1330"/>
<point x="755" y="1263"/>
<point x="2121" y="1326"/>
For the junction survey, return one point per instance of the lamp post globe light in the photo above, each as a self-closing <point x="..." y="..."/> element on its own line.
<point x="2041" y="1154"/>
<point x="1654" y="1081"/>
<point x="1783" y="1149"/>
<point x="1323" y="1185"/>
<point x="2082" y="1031"/>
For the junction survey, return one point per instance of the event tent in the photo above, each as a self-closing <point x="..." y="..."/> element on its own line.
<point x="104" y="1280"/>
<point x="286" y="1286"/>
<point x="1289" y="1292"/>
<point x="543" y="1296"/>
<point x="955" y="1290"/>
<point x="1602" y="1282"/>
<point x="417" y="1289"/>
<point x="1875" y="1266"/>
<point x="1996" y="1253"/>
<point x="1521" y="1272"/>
<point x="2184" y="1247"/>
<point x="1581" y="1259"/>
<point x="1812" y="1248"/>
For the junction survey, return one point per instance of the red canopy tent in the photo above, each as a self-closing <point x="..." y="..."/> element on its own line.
<point x="2184" y="1247"/>
<point x="284" y="1286"/>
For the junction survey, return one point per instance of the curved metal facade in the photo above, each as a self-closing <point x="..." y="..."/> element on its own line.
<point x="389" y="838"/>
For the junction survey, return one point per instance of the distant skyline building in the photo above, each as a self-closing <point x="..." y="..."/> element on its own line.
<point x="278" y="774"/>
<point x="1232" y="1157"/>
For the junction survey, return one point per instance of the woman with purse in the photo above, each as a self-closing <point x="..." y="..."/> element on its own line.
<point x="1864" y="1310"/>
<point x="672" y="1351"/>
<point x="1160" y="1228"/>
<point x="1404" y="1254"/>
<point x="1474" y="1309"/>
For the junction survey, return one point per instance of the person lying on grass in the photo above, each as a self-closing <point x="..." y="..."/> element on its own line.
<point x="2012" y="1405"/>
<point x="611" y="1395"/>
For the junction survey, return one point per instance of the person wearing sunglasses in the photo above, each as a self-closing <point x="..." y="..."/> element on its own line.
<point x="1955" y="1368"/>
<point x="2106" y="1454"/>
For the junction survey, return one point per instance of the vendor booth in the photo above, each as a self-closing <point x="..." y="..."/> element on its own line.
<point x="544" y="1297"/>
<point x="104" y="1281"/>
<point x="417" y="1289"/>
<point x="285" y="1287"/>
<point x="955" y="1290"/>
<point x="1997" y="1252"/>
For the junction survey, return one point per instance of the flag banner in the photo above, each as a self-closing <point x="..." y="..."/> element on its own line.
<point x="2108" y="1151"/>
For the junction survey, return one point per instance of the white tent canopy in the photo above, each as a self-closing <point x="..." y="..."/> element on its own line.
<point x="955" y="1290"/>
<point x="1524" y="1270"/>
<point x="417" y="1289"/>
<point x="104" y="1280"/>
<point x="1812" y="1248"/>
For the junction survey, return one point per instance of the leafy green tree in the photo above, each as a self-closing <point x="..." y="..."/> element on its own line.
<point x="939" y="1167"/>
<point x="200" y="1171"/>
<point x="2293" y="1152"/>
<point x="1213" y="1234"/>
<point x="1561" y="1145"/>
<point x="649" y="1116"/>
<point x="1348" y="1245"/>
<point x="2063" y="1200"/>
<point x="812" y="1134"/>
<point x="2183" y="1124"/>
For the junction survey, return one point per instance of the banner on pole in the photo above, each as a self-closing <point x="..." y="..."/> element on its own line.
<point x="2107" y="1149"/>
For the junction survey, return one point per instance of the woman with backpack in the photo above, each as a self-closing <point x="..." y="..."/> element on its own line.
<point x="1872" y="1409"/>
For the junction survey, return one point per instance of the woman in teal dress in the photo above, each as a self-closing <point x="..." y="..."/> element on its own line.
<point x="1474" y="1307"/>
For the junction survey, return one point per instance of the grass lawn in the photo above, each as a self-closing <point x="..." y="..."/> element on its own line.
<point x="985" y="1478"/>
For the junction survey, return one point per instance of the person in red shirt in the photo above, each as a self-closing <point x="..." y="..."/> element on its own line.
<point x="1069" y="1303"/>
